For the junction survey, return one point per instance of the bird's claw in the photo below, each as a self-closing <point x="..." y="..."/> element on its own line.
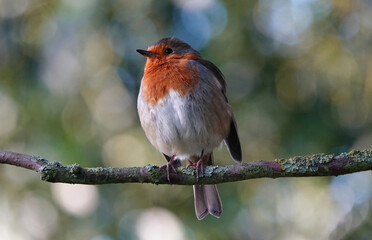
<point x="198" y="166"/>
<point x="172" y="164"/>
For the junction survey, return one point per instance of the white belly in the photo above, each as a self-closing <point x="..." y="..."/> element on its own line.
<point x="177" y="125"/>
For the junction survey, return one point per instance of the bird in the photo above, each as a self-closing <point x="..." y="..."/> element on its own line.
<point x="185" y="114"/>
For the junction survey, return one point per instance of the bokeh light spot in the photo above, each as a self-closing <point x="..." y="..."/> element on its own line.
<point x="197" y="23"/>
<point x="38" y="216"/>
<point x="77" y="200"/>
<point x="159" y="224"/>
<point x="352" y="189"/>
<point x="124" y="150"/>
<point x="13" y="8"/>
<point x="111" y="108"/>
<point x="61" y="70"/>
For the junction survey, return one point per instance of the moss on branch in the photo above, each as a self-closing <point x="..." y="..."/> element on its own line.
<point x="298" y="166"/>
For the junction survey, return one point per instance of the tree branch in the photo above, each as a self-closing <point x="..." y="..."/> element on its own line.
<point x="299" y="166"/>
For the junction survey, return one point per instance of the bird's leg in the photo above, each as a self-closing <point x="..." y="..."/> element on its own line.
<point x="168" y="166"/>
<point x="191" y="164"/>
<point x="198" y="165"/>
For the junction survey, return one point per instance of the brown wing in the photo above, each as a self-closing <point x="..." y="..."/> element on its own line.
<point x="232" y="139"/>
<point x="216" y="72"/>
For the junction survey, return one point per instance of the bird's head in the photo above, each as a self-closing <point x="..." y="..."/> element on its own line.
<point x="168" y="50"/>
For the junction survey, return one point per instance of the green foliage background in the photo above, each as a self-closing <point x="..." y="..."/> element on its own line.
<point x="299" y="81"/>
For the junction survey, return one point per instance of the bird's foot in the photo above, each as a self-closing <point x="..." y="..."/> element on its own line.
<point x="198" y="166"/>
<point x="172" y="164"/>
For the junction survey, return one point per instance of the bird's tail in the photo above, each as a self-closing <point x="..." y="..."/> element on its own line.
<point x="207" y="200"/>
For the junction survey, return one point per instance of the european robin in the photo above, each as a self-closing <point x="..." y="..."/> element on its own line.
<point x="185" y="114"/>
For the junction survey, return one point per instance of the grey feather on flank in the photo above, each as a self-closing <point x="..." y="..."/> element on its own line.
<point x="216" y="72"/>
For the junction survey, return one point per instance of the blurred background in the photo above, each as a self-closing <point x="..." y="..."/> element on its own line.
<point x="299" y="81"/>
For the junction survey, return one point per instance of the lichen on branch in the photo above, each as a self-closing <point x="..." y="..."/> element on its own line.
<point x="298" y="166"/>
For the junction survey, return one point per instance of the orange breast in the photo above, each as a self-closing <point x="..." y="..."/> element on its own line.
<point x="160" y="77"/>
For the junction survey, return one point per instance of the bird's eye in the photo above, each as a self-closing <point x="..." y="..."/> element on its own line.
<point x="168" y="50"/>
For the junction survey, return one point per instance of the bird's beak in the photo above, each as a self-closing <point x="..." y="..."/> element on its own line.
<point x="146" y="53"/>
